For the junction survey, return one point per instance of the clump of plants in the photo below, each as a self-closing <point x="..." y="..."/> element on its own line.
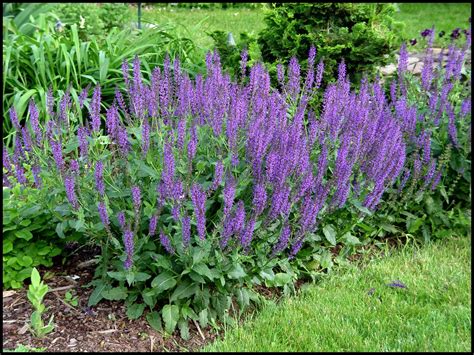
<point x="199" y="188"/>
<point x="364" y="35"/>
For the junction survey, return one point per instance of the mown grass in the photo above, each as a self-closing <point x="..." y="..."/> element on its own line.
<point x="432" y="314"/>
<point x="195" y="23"/>
<point x="444" y="16"/>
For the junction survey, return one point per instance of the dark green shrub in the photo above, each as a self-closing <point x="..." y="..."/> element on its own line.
<point x="364" y="35"/>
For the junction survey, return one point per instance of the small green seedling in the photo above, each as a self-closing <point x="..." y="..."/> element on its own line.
<point x="36" y="293"/>
<point x="70" y="299"/>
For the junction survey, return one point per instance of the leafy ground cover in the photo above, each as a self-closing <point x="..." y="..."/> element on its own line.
<point x="426" y="308"/>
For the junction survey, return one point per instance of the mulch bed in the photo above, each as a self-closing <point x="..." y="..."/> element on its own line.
<point x="102" y="328"/>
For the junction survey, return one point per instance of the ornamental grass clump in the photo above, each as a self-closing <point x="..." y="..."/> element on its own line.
<point x="197" y="189"/>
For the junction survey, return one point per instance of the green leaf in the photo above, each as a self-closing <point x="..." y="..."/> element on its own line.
<point x="389" y="227"/>
<point x="25" y="261"/>
<point x="35" y="277"/>
<point x="162" y="261"/>
<point x="117" y="275"/>
<point x="203" y="269"/>
<point x="115" y="294"/>
<point x="141" y="276"/>
<point x="237" y="272"/>
<point x="135" y="310"/>
<point x="164" y="281"/>
<point x="188" y="312"/>
<point x="130" y="277"/>
<point x="170" y="314"/>
<point x="154" y="320"/>
<point x="243" y="299"/>
<point x="7" y="246"/>
<point x="183" y="329"/>
<point x="281" y="279"/>
<point x="203" y="320"/>
<point x="415" y="225"/>
<point x="330" y="234"/>
<point x="350" y="239"/>
<point x="184" y="290"/>
<point x="24" y="234"/>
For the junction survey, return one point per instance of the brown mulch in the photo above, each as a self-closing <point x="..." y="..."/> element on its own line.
<point x="102" y="328"/>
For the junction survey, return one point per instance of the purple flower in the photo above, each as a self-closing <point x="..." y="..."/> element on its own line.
<point x="426" y="32"/>
<point x="436" y="180"/>
<point x="413" y="41"/>
<point x="14" y="118"/>
<point x="104" y="217"/>
<point x="186" y="230"/>
<point x="83" y="143"/>
<point x="397" y="284"/>
<point x="83" y="95"/>
<point x="26" y="139"/>
<point x="166" y="243"/>
<point x="192" y="144"/>
<point x="122" y="139"/>
<point x="50" y="102"/>
<point x="246" y="236"/>
<point x="199" y="201"/>
<point x="6" y="159"/>
<point x="99" y="178"/>
<point x="456" y="33"/>
<point x="112" y="121"/>
<point x="282" y="241"/>
<point x="121" y="219"/>
<point x="69" y="184"/>
<point x="181" y="133"/>
<point x="219" y="171"/>
<point x="280" y="73"/>
<point x="36" y="170"/>
<point x="259" y="198"/>
<point x="319" y="74"/>
<point x="20" y="174"/>
<point x="74" y="166"/>
<point x="229" y="195"/>
<point x="129" y="247"/>
<point x="243" y="62"/>
<point x="34" y="121"/>
<point x="145" y="136"/>
<point x="95" y="110"/>
<point x="153" y="223"/>
<point x="136" y="197"/>
<point x="57" y="154"/>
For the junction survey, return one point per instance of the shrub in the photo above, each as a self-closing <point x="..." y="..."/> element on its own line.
<point x="216" y="186"/>
<point x="364" y="35"/>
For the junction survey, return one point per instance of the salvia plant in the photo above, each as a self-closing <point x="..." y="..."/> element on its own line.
<point x="198" y="189"/>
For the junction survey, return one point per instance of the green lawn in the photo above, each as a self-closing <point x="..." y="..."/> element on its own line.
<point x="444" y="16"/>
<point x="432" y="314"/>
<point x="195" y="23"/>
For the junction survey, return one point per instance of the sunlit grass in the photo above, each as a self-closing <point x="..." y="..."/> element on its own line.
<point x="433" y="312"/>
